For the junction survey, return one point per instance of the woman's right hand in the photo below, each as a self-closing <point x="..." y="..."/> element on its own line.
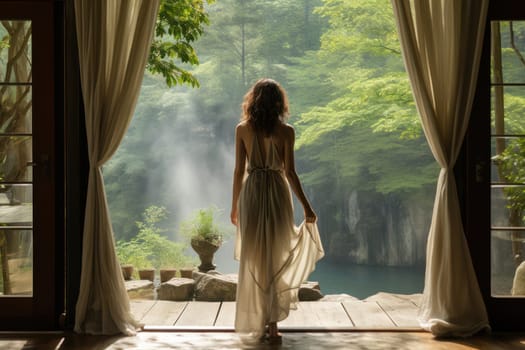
<point x="309" y="215"/>
<point x="233" y="217"/>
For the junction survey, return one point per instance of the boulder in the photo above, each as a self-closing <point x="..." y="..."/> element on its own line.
<point x="139" y="289"/>
<point x="215" y="287"/>
<point x="176" y="289"/>
<point x="310" y="291"/>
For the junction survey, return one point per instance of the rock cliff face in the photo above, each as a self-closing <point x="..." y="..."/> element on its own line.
<point x="381" y="229"/>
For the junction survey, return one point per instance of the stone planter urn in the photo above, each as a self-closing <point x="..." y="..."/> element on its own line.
<point x="127" y="272"/>
<point x="205" y="250"/>
<point x="167" y="274"/>
<point x="147" y="274"/>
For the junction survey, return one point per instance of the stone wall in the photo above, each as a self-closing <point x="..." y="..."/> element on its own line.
<point x="382" y="229"/>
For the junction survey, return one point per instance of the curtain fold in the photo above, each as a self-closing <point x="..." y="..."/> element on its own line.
<point x="441" y="43"/>
<point x="114" y="39"/>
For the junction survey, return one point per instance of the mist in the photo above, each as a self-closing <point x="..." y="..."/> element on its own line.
<point x="197" y="173"/>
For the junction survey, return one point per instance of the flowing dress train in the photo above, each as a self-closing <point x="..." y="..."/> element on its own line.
<point x="275" y="256"/>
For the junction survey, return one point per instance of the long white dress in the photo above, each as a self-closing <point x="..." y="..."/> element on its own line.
<point x="275" y="256"/>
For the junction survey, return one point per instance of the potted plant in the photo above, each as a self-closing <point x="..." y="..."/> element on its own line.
<point x="132" y="259"/>
<point x="147" y="274"/>
<point x="205" y="236"/>
<point x="127" y="271"/>
<point x="186" y="272"/>
<point x="167" y="273"/>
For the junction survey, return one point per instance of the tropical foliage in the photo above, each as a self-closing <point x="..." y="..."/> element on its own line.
<point x="150" y="248"/>
<point x="179" y="24"/>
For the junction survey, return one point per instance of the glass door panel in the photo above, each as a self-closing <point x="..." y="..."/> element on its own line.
<point x="16" y="159"/>
<point x="507" y="155"/>
<point x="31" y="269"/>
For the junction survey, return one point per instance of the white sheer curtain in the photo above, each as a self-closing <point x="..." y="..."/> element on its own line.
<point x="114" y="39"/>
<point x="441" y="42"/>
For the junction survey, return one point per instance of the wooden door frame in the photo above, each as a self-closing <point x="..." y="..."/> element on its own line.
<point x="76" y="164"/>
<point x="472" y="175"/>
<point x="505" y="313"/>
<point x="42" y="311"/>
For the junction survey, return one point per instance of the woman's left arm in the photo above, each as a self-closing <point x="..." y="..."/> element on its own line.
<point x="238" y="172"/>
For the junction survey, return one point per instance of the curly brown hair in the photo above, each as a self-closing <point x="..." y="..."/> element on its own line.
<point x="264" y="105"/>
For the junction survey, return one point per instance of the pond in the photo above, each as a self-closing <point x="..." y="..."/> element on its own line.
<point x="359" y="281"/>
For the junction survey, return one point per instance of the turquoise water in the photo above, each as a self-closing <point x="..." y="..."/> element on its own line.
<point x="362" y="281"/>
<point x="359" y="281"/>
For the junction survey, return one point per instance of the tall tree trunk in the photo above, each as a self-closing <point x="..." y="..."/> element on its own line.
<point x="243" y="54"/>
<point x="306" y="31"/>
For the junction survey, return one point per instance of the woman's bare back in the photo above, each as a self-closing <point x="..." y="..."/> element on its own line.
<point x="280" y="138"/>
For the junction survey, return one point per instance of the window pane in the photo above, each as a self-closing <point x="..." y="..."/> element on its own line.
<point x="504" y="247"/>
<point x="508" y="159"/>
<point x="16" y="255"/>
<point x="511" y="47"/>
<point x="16" y="109"/>
<point x="16" y="244"/>
<point x="15" y="153"/>
<point x="15" y="51"/>
<point x="15" y="205"/>
<point x="507" y="205"/>
<point x="509" y="119"/>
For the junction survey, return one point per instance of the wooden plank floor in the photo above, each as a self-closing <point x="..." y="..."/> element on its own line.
<point x="387" y="313"/>
<point x="373" y="340"/>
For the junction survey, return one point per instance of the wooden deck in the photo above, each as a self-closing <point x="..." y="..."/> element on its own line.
<point x="383" y="311"/>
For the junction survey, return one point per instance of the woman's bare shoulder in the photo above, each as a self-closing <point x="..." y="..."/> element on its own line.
<point x="288" y="130"/>
<point x="242" y="126"/>
<point x="287" y="126"/>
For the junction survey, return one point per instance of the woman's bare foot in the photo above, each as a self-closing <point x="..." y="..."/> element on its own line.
<point x="274" y="337"/>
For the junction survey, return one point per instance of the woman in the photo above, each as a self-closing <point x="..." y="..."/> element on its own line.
<point x="275" y="256"/>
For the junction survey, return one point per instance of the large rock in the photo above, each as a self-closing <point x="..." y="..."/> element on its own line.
<point x="139" y="289"/>
<point x="310" y="291"/>
<point x="176" y="289"/>
<point x="215" y="287"/>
